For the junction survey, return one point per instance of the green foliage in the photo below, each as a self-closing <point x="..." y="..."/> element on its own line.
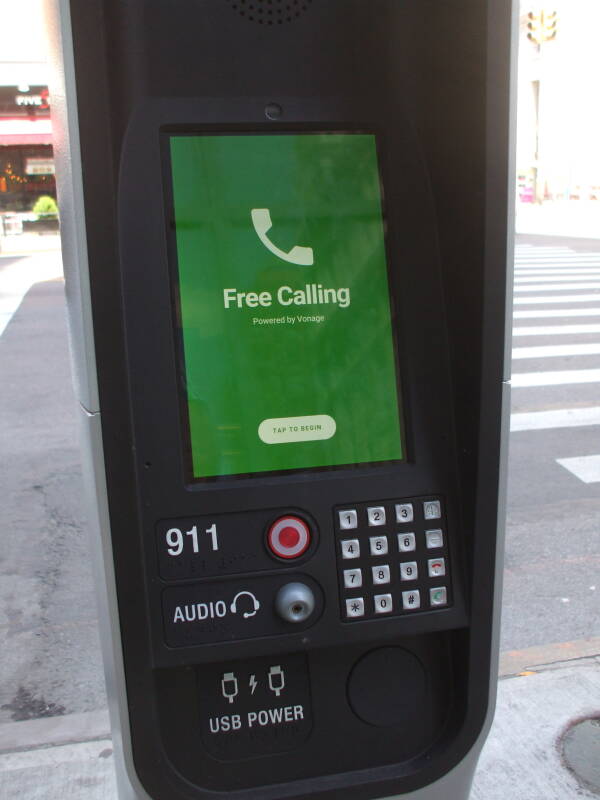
<point x="45" y="207"/>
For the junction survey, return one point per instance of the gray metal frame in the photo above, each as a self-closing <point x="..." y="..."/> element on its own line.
<point x="75" y="260"/>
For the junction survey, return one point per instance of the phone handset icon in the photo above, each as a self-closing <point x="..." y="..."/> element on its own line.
<point x="302" y="256"/>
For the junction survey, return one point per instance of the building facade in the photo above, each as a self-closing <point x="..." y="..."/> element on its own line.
<point x="558" y="156"/>
<point x="26" y="163"/>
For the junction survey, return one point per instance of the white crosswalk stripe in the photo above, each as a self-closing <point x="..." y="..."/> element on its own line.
<point x="562" y="263"/>
<point x="557" y="350"/>
<point x="556" y="287"/>
<point x="545" y="278"/>
<point x="559" y="271"/>
<point x="563" y="298"/>
<point x="562" y="418"/>
<point x="586" y="468"/>
<point x="560" y="260"/>
<point x="555" y="378"/>
<point x="542" y="313"/>
<point x="566" y="284"/>
<point x="552" y="330"/>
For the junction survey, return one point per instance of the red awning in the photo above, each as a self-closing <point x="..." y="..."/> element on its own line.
<point x="25" y="131"/>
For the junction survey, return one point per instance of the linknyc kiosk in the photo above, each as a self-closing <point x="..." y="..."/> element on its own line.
<point x="286" y="244"/>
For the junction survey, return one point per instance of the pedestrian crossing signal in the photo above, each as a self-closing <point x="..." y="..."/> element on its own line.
<point x="542" y="26"/>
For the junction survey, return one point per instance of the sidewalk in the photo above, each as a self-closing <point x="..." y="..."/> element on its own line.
<point x="71" y="758"/>
<point x="25" y="244"/>
<point x="18" y="273"/>
<point x="521" y="759"/>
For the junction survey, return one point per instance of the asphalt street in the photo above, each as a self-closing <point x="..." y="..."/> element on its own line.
<point x="48" y="634"/>
<point x="551" y="578"/>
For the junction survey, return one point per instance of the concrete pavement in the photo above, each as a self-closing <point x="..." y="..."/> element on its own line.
<point x="49" y="642"/>
<point x="29" y="243"/>
<point x="521" y="759"/>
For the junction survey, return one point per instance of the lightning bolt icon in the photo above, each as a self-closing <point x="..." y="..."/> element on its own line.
<point x="253" y="684"/>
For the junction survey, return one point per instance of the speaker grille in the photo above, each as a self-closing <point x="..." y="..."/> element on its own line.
<point x="270" y="12"/>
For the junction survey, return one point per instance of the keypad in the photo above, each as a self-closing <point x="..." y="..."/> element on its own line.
<point x="393" y="557"/>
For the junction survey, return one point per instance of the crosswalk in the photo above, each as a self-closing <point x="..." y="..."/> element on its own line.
<point x="566" y="284"/>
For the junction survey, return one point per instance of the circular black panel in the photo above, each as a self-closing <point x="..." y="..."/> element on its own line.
<point x="388" y="687"/>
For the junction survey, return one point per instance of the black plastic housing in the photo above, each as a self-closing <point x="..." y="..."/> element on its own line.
<point x="432" y="79"/>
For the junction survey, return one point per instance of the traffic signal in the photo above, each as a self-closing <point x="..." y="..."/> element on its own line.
<point x="542" y="26"/>
<point x="549" y="22"/>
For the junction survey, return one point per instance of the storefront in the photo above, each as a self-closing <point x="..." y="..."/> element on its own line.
<point x="26" y="160"/>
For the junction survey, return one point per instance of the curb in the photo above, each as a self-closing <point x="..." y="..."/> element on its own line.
<point x="54" y="731"/>
<point x="547" y="656"/>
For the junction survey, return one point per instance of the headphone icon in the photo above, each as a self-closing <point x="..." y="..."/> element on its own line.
<point x="255" y="603"/>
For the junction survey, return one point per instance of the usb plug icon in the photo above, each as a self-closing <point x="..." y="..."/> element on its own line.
<point x="276" y="680"/>
<point x="229" y="686"/>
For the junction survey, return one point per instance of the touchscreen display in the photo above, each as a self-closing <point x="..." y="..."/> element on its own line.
<point x="283" y="304"/>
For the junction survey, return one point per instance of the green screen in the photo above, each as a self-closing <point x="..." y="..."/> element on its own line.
<point x="283" y="302"/>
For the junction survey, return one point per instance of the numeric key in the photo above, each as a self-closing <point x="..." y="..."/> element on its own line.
<point x="348" y="519"/>
<point x="350" y="548"/>
<point x="353" y="578"/>
<point x="378" y="545"/>
<point x="407" y="542"/>
<point x="409" y="571"/>
<point x="383" y="603"/>
<point x="376" y="516"/>
<point x="404" y="512"/>
<point x="381" y="574"/>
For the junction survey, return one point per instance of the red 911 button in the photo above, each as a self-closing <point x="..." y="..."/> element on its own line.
<point x="289" y="537"/>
